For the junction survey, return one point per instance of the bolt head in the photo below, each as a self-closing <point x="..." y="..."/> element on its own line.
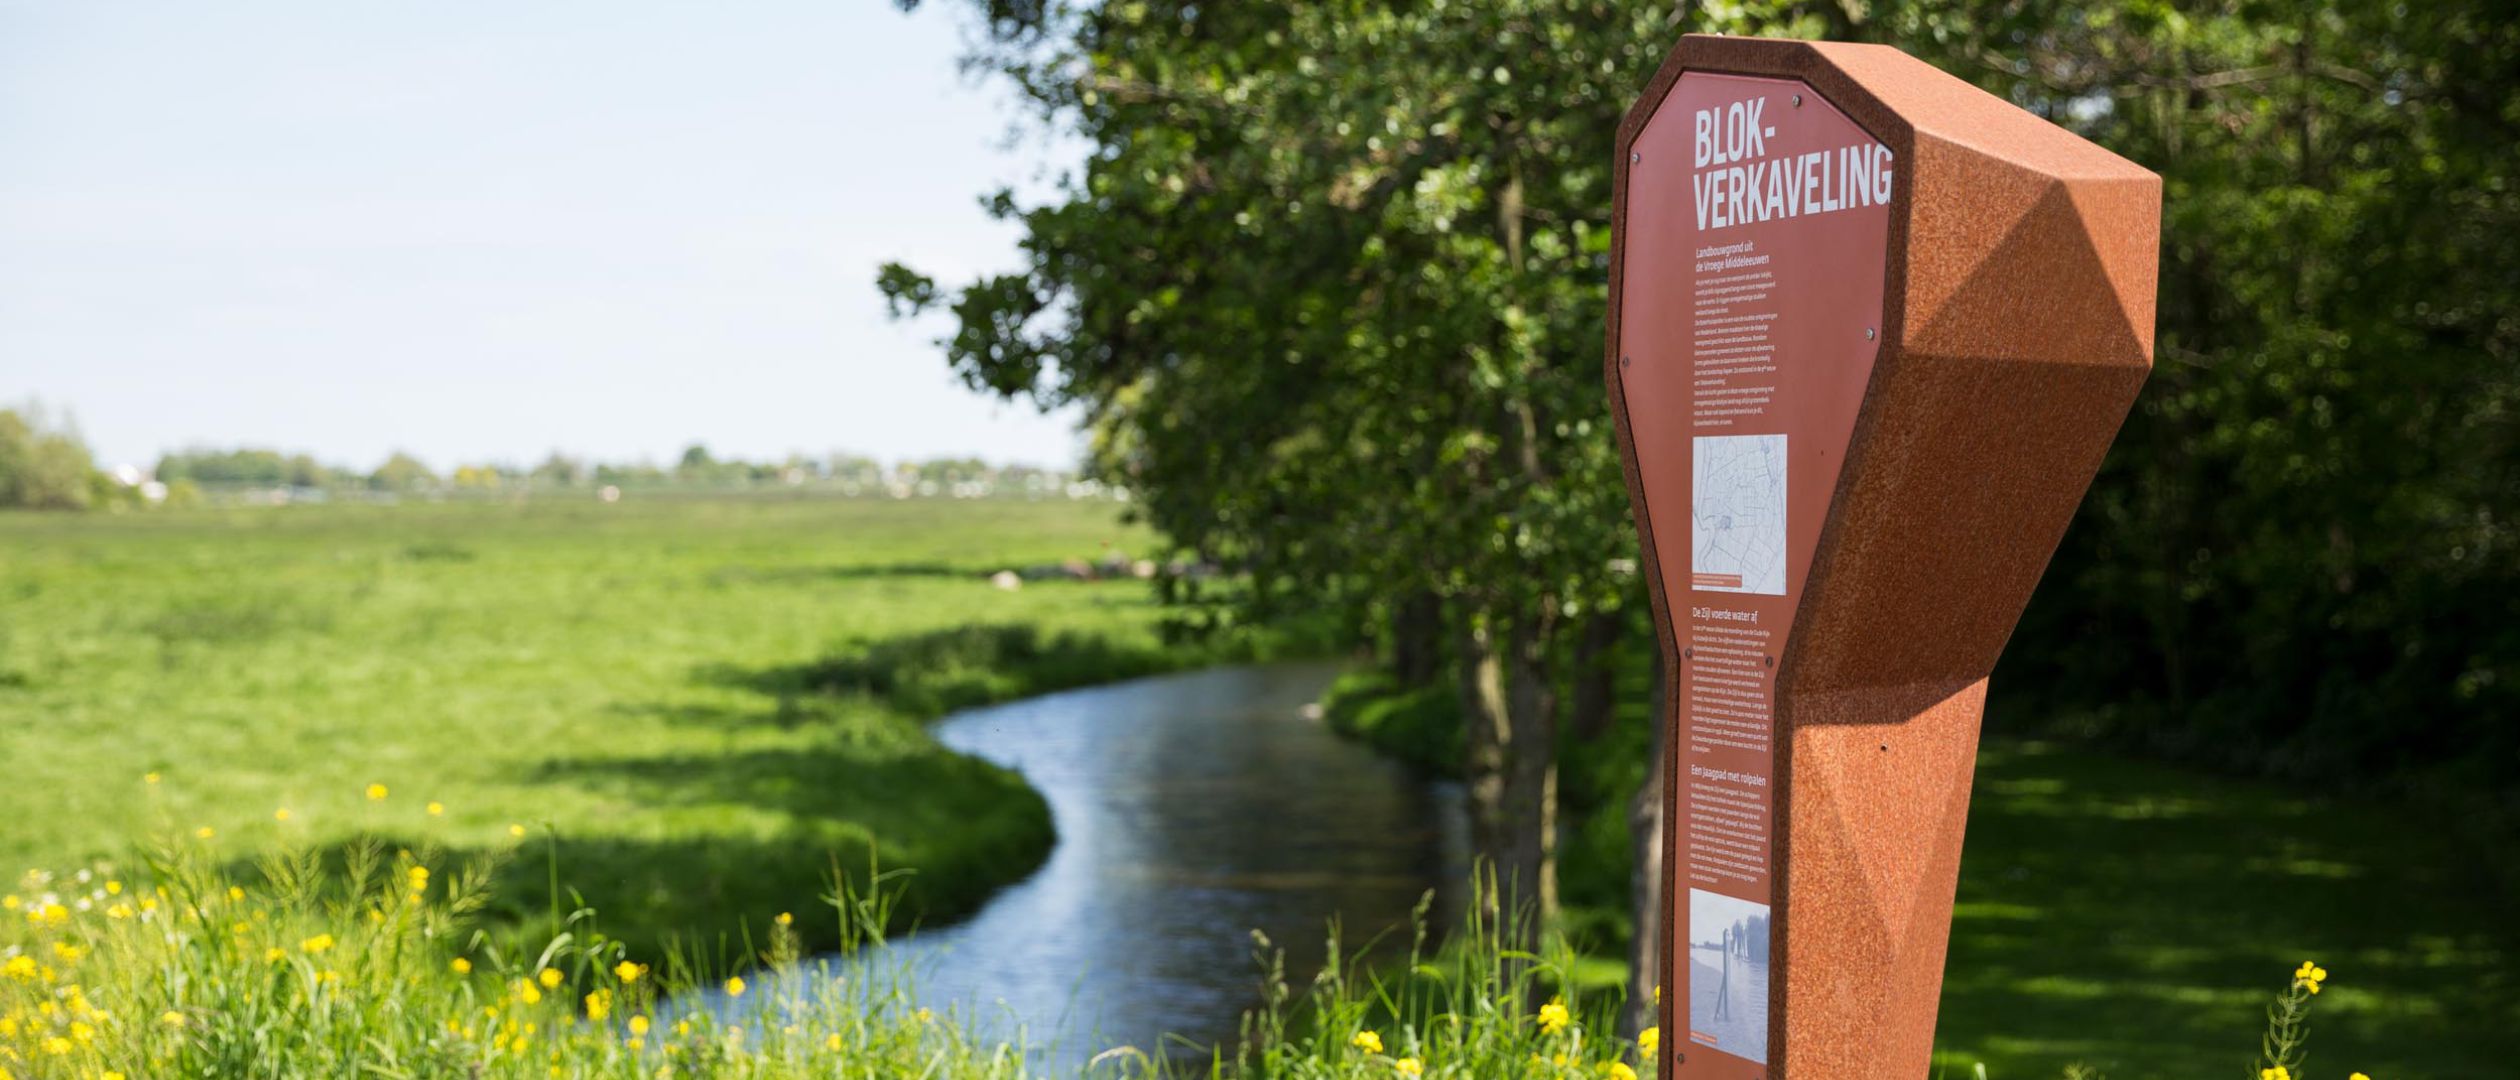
<point x="1798" y="101"/>
<point x="1868" y="333"/>
<point x="1634" y="157"/>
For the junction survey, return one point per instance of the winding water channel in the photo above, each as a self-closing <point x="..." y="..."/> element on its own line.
<point x="1191" y="809"/>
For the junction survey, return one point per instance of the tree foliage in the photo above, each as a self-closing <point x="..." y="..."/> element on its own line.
<point x="1330" y="285"/>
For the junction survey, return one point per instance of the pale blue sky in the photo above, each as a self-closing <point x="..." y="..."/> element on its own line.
<point x="482" y="231"/>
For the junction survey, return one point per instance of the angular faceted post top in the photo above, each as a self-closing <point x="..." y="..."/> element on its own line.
<point x="1871" y="330"/>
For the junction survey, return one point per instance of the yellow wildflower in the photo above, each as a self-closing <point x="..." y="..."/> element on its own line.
<point x="118" y="911"/>
<point x="735" y="986"/>
<point x="419" y="879"/>
<point x="628" y="972"/>
<point x="109" y="1074"/>
<point x="517" y="831"/>
<point x="922" y="1015"/>
<point x="550" y="978"/>
<point x="599" y="1005"/>
<point x="317" y="944"/>
<point x="1409" y="1067"/>
<point x="19" y="967"/>
<point x="205" y="832"/>
<point x="235" y="893"/>
<point x="171" y="1018"/>
<point x="832" y="1044"/>
<point x="638" y="1025"/>
<point x="437" y="809"/>
<point x="1618" y="1070"/>
<point x="2358" y="1076"/>
<point x="11" y="902"/>
<point x="275" y="954"/>
<point x="68" y="953"/>
<point x="527" y="992"/>
<point x="2277" y="1073"/>
<point x="58" y="1046"/>
<point x="1554" y="1017"/>
<point x="113" y="888"/>
<point x="151" y="778"/>
<point x="1368" y="1040"/>
<point x="461" y="965"/>
<point x="376" y="792"/>
<point x="786" y="919"/>
<point x="1648" y="1039"/>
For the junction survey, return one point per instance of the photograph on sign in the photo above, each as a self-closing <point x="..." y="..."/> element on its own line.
<point x="1728" y="977"/>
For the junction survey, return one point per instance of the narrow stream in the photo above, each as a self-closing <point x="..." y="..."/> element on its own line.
<point x="1191" y="809"/>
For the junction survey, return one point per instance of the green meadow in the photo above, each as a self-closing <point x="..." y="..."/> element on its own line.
<point x="695" y="706"/>
<point x="697" y="709"/>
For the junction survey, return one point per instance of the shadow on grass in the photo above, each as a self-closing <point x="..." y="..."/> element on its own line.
<point x="2137" y="918"/>
<point x="808" y="575"/>
<point x="745" y="834"/>
<point x="928" y="675"/>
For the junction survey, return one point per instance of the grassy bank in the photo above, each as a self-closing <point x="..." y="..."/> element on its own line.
<point x="2122" y="914"/>
<point x="375" y="966"/>
<point x="703" y="703"/>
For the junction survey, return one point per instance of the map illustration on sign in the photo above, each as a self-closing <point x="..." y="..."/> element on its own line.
<point x="1737" y="514"/>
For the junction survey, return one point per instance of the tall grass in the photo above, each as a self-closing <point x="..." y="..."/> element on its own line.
<point x="367" y="961"/>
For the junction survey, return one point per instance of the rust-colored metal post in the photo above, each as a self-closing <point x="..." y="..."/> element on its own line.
<point x="1871" y="331"/>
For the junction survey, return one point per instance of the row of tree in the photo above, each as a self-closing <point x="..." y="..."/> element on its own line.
<point x="696" y="467"/>
<point x="45" y="465"/>
<point x="1330" y="286"/>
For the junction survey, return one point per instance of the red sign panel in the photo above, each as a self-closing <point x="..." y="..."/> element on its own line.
<point x="1758" y="223"/>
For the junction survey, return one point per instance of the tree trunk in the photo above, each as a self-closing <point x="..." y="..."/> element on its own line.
<point x="1529" y="870"/>
<point x="1483" y="708"/>
<point x="1645" y="874"/>
<point x="1417" y="629"/>
<point x="1591" y="707"/>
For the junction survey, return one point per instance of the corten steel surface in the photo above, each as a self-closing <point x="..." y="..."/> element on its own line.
<point x="2016" y="329"/>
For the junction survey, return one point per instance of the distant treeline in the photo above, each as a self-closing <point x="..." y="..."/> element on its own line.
<point x="45" y="465"/>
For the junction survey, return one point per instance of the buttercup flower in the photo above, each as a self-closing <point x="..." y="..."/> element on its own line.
<point x="2277" y="1073"/>
<point x="1368" y="1041"/>
<point x="460" y="965"/>
<point x="517" y="831"/>
<point x="1554" y="1017"/>
<point x="628" y="972"/>
<point x="205" y="832"/>
<point x="1648" y="1039"/>
<point x="376" y="792"/>
<point x="735" y="987"/>
<point x="1618" y="1070"/>
<point x="638" y="1025"/>
<point x="437" y="809"/>
<point x="1409" y="1067"/>
<point x="550" y="978"/>
<point x="317" y="944"/>
<point x="281" y="814"/>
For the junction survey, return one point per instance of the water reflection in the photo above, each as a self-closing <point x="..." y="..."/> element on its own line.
<point x="1191" y="810"/>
